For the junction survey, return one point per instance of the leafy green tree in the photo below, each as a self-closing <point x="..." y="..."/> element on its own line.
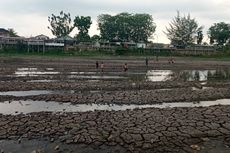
<point x="142" y="27"/>
<point x="60" y="25"/>
<point x="182" y="30"/>
<point x="200" y="37"/>
<point x="83" y="37"/>
<point x="107" y="27"/>
<point x="83" y="24"/>
<point x="95" y="38"/>
<point x="123" y="26"/>
<point x="12" y="33"/>
<point x="126" y="27"/>
<point x="219" y="33"/>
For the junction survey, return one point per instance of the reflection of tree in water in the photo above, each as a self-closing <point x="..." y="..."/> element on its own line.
<point x="184" y="75"/>
<point x="196" y="76"/>
<point x="189" y="75"/>
<point x="220" y="74"/>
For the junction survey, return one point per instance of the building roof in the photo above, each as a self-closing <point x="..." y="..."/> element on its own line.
<point x="3" y="30"/>
<point x="65" y="38"/>
<point x="43" y="37"/>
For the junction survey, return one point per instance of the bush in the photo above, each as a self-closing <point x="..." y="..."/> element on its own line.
<point x="121" y="51"/>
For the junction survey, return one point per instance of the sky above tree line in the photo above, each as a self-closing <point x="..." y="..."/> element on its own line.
<point x="30" y="17"/>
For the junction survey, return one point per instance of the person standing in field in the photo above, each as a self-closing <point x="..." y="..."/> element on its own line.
<point x="171" y="60"/>
<point x="102" y="66"/>
<point x="146" y="61"/>
<point x="125" y="67"/>
<point x="97" y="65"/>
<point x="157" y="57"/>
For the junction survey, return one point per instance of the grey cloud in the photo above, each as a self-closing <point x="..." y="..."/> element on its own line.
<point x="205" y="11"/>
<point x="93" y="7"/>
<point x="164" y="9"/>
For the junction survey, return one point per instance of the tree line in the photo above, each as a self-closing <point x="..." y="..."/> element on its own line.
<point x="183" y="30"/>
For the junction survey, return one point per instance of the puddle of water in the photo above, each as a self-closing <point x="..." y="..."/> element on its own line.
<point x="203" y="88"/>
<point x="203" y="83"/>
<point x="25" y="107"/>
<point x="33" y="72"/>
<point x="197" y="75"/>
<point x="83" y="72"/>
<point x="26" y="69"/>
<point x="120" y="73"/>
<point x="188" y="75"/>
<point x="150" y="75"/>
<point x="95" y="80"/>
<point x="42" y="80"/>
<point x="166" y="89"/>
<point x="158" y="75"/>
<point x="204" y="75"/>
<point x="34" y="145"/>
<point x="94" y="91"/>
<point x="33" y="92"/>
<point x="95" y="77"/>
<point x="50" y="69"/>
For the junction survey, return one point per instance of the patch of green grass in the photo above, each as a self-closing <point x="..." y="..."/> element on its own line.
<point x="222" y="56"/>
<point x="120" y="52"/>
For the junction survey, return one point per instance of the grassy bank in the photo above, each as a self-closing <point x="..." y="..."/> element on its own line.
<point x="222" y="56"/>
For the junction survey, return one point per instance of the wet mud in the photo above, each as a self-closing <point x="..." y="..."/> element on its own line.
<point x="64" y="105"/>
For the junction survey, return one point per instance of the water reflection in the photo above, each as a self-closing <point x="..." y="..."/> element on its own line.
<point x="34" y="92"/>
<point x="44" y="80"/>
<point x="21" y="72"/>
<point x="25" y="107"/>
<point x="195" y="75"/>
<point x="150" y="75"/>
<point x="220" y="74"/>
<point x="95" y="77"/>
<point x="204" y="75"/>
<point x="158" y="75"/>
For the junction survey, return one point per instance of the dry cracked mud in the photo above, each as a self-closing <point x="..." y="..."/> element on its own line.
<point x="168" y="130"/>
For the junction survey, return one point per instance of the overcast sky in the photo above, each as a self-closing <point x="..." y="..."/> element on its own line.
<point x="30" y="17"/>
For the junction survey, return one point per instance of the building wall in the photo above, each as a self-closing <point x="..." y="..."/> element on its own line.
<point x="4" y="34"/>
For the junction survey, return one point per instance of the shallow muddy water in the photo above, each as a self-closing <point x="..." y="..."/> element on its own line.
<point x="149" y="75"/>
<point x="44" y="80"/>
<point x="44" y="146"/>
<point x="158" y="75"/>
<point x="96" y="77"/>
<point x="203" y="75"/>
<point x="33" y="73"/>
<point x="15" y="107"/>
<point x="34" y="92"/>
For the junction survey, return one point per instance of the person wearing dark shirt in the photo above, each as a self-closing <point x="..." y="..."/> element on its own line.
<point x="97" y="65"/>
<point x="146" y="61"/>
<point x="102" y="67"/>
<point x="125" y="67"/>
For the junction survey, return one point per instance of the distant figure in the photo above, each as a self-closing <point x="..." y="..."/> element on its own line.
<point x="97" y="65"/>
<point x="102" y="67"/>
<point x="171" y="60"/>
<point x="146" y="61"/>
<point x="157" y="57"/>
<point x="125" y="67"/>
<point x="126" y="45"/>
